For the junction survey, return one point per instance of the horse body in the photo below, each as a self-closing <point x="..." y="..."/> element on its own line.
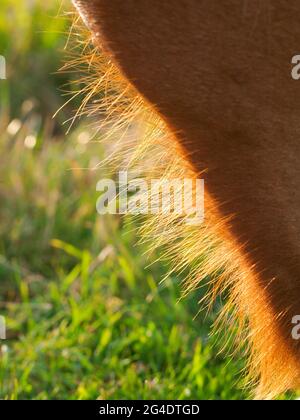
<point x="219" y="74"/>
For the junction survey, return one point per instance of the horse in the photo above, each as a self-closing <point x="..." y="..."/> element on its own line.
<point x="219" y="75"/>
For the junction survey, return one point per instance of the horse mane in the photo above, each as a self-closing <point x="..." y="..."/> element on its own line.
<point x="139" y="140"/>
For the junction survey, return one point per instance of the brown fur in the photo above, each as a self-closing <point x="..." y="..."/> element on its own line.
<point x="218" y="73"/>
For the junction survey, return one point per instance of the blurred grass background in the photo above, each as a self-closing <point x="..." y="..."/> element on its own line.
<point x="85" y="318"/>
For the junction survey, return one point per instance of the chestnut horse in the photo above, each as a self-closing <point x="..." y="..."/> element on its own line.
<point x="219" y="73"/>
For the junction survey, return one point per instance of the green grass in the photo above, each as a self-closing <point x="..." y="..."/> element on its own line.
<point x="33" y="33"/>
<point x="85" y="318"/>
